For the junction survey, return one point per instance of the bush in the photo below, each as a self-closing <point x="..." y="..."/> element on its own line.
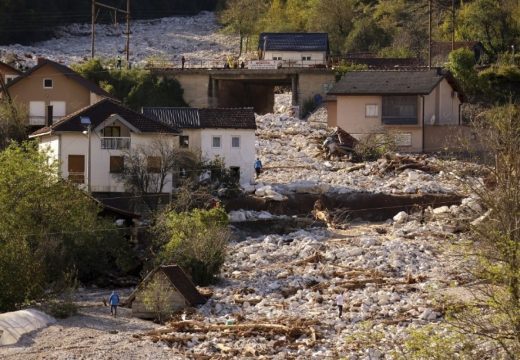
<point x="195" y="240"/>
<point x="61" y="309"/>
<point x="157" y="298"/>
<point x="373" y="146"/>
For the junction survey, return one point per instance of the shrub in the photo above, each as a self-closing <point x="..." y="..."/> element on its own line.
<point x="373" y="146"/>
<point x="157" y="298"/>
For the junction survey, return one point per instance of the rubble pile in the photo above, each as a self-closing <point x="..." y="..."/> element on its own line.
<point x="289" y="150"/>
<point x="277" y="297"/>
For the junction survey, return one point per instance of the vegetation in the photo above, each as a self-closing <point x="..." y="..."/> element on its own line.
<point x="48" y="228"/>
<point x="195" y="240"/>
<point x="135" y="87"/>
<point x="31" y="20"/>
<point x="12" y="122"/>
<point x="157" y="297"/>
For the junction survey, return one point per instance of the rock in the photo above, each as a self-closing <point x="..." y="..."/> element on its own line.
<point x="441" y="210"/>
<point x="401" y="217"/>
<point x="237" y="216"/>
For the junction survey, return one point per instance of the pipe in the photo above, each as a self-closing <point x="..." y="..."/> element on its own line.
<point x="422" y="145"/>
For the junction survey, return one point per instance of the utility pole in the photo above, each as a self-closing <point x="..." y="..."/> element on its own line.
<point x="429" y="34"/>
<point x="116" y="10"/>
<point x="452" y="25"/>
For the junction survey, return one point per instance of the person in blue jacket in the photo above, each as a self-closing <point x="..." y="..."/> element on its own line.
<point x="114" y="302"/>
<point x="258" y="167"/>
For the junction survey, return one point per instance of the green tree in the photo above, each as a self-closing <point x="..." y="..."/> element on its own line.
<point x="12" y="122"/>
<point x="367" y="36"/>
<point x="195" y="240"/>
<point x="49" y="226"/>
<point x="461" y="63"/>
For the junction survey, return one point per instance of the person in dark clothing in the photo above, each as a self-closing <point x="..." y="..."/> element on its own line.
<point x="258" y="167"/>
<point x="113" y="300"/>
<point x="242" y="65"/>
<point x="119" y="62"/>
<point x="183" y="60"/>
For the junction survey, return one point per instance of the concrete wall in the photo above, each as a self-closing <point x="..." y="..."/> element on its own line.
<point x="172" y="298"/>
<point x="448" y="138"/>
<point x="310" y="84"/>
<point x="233" y="93"/>
<point x="243" y="157"/>
<point x="332" y="112"/>
<point x="64" y="89"/>
<point x="195" y="88"/>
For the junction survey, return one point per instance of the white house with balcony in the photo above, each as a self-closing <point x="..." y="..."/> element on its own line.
<point x="227" y="133"/>
<point x="89" y="144"/>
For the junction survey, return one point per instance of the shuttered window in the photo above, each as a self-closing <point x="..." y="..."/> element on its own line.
<point x="76" y="168"/>
<point x="116" y="164"/>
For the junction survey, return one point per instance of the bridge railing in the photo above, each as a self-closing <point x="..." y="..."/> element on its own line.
<point x="200" y="64"/>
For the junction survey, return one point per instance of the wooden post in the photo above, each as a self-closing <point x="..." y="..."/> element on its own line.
<point x="93" y="30"/>
<point x="128" y="34"/>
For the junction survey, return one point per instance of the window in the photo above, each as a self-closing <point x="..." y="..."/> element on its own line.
<point x="277" y="58"/>
<point x="117" y="164"/>
<point x="153" y="164"/>
<point x="47" y="83"/>
<point x="371" y="110"/>
<point x="76" y="168"/>
<point x="184" y="141"/>
<point x="306" y="58"/>
<point x="112" y="131"/>
<point x="399" y="110"/>
<point x="235" y="141"/>
<point x="37" y="113"/>
<point x="215" y="141"/>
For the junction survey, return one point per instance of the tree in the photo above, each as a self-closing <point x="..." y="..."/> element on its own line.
<point x="148" y="168"/>
<point x="366" y="36"/>
<point x="462" y="65"/>
<point x="48" y="227"/>
<point x="494" y="313"/>
<point x="195" y="240"/>
<point x="157" y="296"/>
<point x="12" y="122"/>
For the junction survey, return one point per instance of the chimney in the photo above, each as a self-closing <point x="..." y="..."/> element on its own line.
<point x="40" y="60"/>
<point x="48" y="117"/>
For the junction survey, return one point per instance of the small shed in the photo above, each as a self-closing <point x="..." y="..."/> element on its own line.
<point x="175" y="290"/>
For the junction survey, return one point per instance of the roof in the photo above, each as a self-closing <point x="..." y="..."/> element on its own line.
<point x="178" y="279"/>
<point x="192" y="118"/>
<point x="101" y="111"/>
<point x="13" y="69"/>
<point x="294" y="42"/>
<point x="391" y="82"/>
<point x="68" y="72"/>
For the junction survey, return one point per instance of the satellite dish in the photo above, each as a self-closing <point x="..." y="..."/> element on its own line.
<point x="432" y="120"/>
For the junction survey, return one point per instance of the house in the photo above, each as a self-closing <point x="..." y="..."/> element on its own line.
<point x="92" y="155"/>
<point x="51" y="90"/>
<point x="295" y="49"/>
<point x="8" y="73"/>
<point x="175" y="288"/>
<point x="421" y="108"/>
<point x="226" y="133"/>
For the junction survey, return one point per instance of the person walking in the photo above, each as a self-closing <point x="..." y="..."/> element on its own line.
<point x="183" y="61"/>
<point x="258" y="167"/>
<point x="340" y="299"/>
<point x="113" y="300"/>
<point x="119" y="62"/>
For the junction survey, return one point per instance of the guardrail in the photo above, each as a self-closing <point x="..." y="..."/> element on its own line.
<point x="209" y="65"/>
<point x="115" y="143"/>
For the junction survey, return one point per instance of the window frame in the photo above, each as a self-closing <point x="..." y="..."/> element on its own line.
<point x="116" y="168"/>
<point x="367" y="106"/>
<point x="182" y="144"/>
<point x="48" y="87"/>
<point x="306" y="58"/>
<point x="401" y="119"/>
<point x="235" y="137"/>
<point x="213" y="137"/>
<point x="112" y="127"/>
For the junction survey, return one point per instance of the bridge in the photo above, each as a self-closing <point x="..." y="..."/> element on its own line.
<point x="219" y="87"/>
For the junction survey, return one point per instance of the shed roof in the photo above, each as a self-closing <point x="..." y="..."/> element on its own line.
<point x="294" y="42"/>
<point x="178" y="279"/>
<point x="68" y="72"/>
<point x="192" y="118"/>
<point x="101" y="111"/>
<point x="391" y="82"/>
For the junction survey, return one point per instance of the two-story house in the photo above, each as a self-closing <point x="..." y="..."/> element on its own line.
<point x="226" y="133"/>
<point x="90" y="143"/>
<point x="421" y="108"/>
<point x="295" y="49"/>
<point x="50" y="91"/>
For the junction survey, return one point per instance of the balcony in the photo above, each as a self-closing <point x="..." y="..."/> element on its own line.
<point x="77" y="177"/>
<point x="115" y="143"/>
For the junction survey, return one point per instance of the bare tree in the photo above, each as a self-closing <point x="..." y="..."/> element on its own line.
<point x="147" y="169"/>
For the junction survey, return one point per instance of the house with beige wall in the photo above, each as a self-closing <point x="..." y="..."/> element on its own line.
<point x="294" y="49"/>
<point x="225" y="133"/>
<point x="420" y="108"/>
<point x="8" y="73"/>
<point x="51" y="91"/>
<point x="90" y="144"/>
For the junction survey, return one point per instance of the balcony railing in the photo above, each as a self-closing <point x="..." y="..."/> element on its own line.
<point x="77" y="177"/>
<point x="115" y="143"/>
<point x="36" y="120"/>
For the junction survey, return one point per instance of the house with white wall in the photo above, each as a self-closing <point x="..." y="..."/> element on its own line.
<point x="225" y="133"/>
<point x="51" y="90"/>
<point x="8" y="73"/>
<point x="89" y="144"/>
<point x="294" y="49"/>
<point x="420" y="108"/>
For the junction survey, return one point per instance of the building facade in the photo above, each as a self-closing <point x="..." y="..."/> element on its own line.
<point x="295" y="49"/>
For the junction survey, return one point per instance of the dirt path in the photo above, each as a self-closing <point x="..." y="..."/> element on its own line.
<point x="92" y="334"/>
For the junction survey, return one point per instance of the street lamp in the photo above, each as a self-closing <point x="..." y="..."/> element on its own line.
<point x="85" y="121"/>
